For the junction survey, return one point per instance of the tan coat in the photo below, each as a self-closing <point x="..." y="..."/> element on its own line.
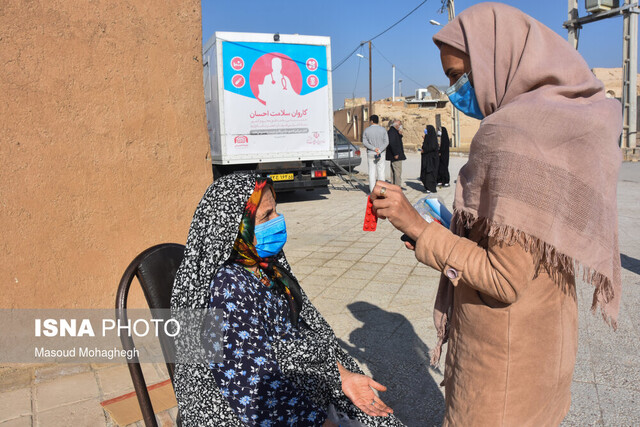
<point x="513" y="335"/>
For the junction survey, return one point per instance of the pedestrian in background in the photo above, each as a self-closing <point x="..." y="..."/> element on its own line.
<point x="375" y="140"/>
<point x="535" y="206"/>
<point x="429" y="160"/>
<point x="443" y="165"/>
<point x="395" y="152"/>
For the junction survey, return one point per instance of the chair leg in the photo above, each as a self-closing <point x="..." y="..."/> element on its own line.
<point x="143" y="395"/>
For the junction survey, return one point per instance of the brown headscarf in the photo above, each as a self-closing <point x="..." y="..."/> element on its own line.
<point x="543" y="166"/>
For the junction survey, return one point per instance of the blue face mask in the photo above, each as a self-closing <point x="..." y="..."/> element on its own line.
<point x="463" y="97"/>
<point x="270" y="237"/>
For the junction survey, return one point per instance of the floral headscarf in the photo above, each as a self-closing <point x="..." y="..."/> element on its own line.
<point x="245" y="253"/>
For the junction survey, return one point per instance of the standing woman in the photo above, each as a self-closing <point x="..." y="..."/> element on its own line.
<point x="443" y="166"/>
<point x="429" y="160"/>
<point x="535" y="206"/>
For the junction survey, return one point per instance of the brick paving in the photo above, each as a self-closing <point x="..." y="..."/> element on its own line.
<point x="378" y="299"/>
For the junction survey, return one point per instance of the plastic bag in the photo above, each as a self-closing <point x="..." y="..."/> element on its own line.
<point x="432" y="208"/>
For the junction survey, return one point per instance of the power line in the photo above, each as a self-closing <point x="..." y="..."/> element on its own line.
<point x="401" y="19"/>
<point x="398" y="69"/>
<point x="357" y="75"/>
<point x="444" y="5"/>
<point x="409" y="77"/>
<point x="246" y="45"/>
<point x="347" y="57"/>
<point x="381" y="54"/>
<point x="377" y="35"/>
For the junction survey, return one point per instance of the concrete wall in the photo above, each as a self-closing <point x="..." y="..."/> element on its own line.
<point x="414" y="121"/>
<point x="104" y="147"/>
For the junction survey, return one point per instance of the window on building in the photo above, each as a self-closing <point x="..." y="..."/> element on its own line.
<point x="355" y="128"/>
<point x="349" y="116"/>
<point x="365" y="114"/>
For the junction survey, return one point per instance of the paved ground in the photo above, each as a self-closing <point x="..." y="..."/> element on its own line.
<point x="379" y="299"/>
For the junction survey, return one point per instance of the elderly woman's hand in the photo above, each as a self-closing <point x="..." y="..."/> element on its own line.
<point x="390" y="202"/>
<point x="359" y="389"/>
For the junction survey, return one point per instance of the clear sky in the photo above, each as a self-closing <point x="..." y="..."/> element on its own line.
<point x="408" y="45"/>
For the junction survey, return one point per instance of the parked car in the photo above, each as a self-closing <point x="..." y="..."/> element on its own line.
<point x="346" y="155"/>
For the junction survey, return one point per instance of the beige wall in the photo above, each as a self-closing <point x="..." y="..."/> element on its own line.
<point x="612" y="79"/>
<point x="350" y="121"/>
<point x="104" y="145"/>
<point x="414" y="121"/>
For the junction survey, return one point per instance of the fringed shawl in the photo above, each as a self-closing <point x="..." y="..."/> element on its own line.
<point x="543" y="166"/>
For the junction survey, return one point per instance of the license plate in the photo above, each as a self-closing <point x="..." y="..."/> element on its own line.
<point x="343" y="155"/>
<point x="282" y="177"/>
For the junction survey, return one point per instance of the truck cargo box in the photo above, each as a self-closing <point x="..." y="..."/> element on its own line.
<point x="268" y="101"/>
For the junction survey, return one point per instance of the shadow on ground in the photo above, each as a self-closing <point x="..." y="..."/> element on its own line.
<point x="302" y="195"/>
<point x="397" y="358"/>
<point x="345" y="186"/>
<point x="415" y="185"/>
<point x="355" y="182"/>
<point x="630" y="263"/>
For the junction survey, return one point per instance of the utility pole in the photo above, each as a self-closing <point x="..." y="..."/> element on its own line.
<point x="573" y="30"/>
<point x="451" y="8"/>
<point x="629" y="11"/>
<point x="370" y="91"/>
<point x="455" y="114"/>
<point x="393" y="78"/>
<point x="630" y="77"/>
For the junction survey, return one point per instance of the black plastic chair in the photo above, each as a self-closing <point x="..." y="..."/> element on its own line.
<point x="155" y="269"/>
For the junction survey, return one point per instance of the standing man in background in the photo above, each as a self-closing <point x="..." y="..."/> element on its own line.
<point x="395" y="153"/>
<point x="375" y="139"/>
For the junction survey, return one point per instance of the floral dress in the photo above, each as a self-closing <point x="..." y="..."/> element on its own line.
<point x="249" y="377"/>
<point x="274" y="374"/>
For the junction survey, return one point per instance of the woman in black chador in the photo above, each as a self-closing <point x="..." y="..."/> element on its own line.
<point x="443" y="166"/>
<point x="429" y="160"/>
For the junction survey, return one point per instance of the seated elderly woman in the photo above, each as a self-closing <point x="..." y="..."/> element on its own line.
<point x="282" y="363"/>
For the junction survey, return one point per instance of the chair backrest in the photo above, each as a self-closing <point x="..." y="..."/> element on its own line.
<point x="156" y="270"/>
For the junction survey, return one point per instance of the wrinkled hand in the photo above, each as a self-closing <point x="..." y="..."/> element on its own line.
<point x="359" y="389"/>
<point x="395" y="207"/>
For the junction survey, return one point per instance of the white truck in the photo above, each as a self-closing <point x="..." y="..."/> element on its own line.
<point x="269" y="106"/>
